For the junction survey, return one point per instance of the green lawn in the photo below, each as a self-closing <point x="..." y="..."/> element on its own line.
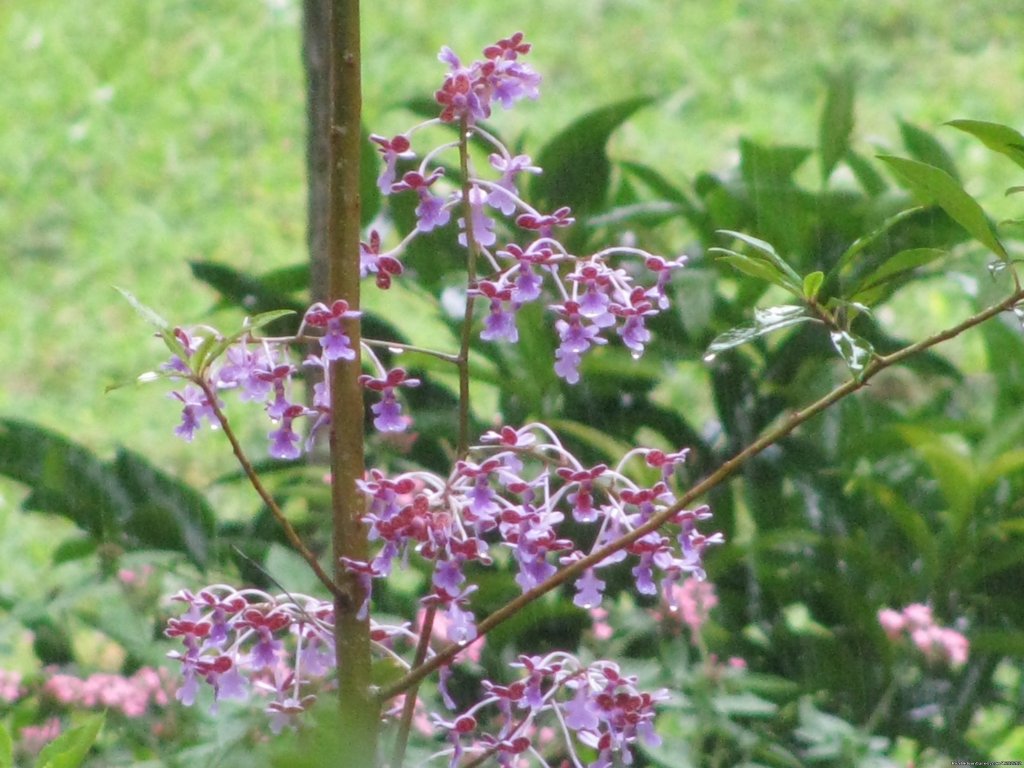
<point x="135" y="136"/>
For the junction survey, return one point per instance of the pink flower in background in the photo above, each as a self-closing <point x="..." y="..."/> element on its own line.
<point x="938" y="644"/>
<point x="693" y="601"/>
<point x="35" y="737"/>
<point x="10" y="685"/>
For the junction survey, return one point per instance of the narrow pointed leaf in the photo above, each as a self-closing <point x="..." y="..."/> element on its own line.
<point x="936" y="187"/>
<point x="924" y="147"/>
<point x="70" y="749"/>
<point x="895" y="267"/>
<point x="768" y="251"/>
<point x="749" y="266"/>
<point x="765" y="321"/>
<point x="837" y="118"/>
<point x="999" y="138"/>
<point x="576" y="167"/>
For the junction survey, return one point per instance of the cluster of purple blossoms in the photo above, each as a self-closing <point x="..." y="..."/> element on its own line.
<point x="262" y="371"/>
<point x="246" y="641"/>
<point x="596" y="703"/>
<point x="516" y="493"/>
<point x="593" y="296"/>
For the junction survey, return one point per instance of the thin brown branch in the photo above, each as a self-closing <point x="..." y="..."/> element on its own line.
<point x="254" y="479"/>
<point x="716" y="478"/>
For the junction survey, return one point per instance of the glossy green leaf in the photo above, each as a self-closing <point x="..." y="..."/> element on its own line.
<point x="924" y="147"/>
<point x="812" y="284"/>
<point x="933" y="186"/>
<point x="837" y="118"/>
<point x="765" y="321"/>
<point x="70" y="749"/>
<point x="859" y="245"/>
<point x="855" y="351"/>
<point x="999" y="138"/>
<point x="577" y="170"/>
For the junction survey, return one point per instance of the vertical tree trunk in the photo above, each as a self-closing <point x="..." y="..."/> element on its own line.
<point x="360" y="719"/>
<point x="316" y="44"/>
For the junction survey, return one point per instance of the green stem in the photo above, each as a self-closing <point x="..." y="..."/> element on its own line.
<point x="716" y="478"/>
<point x="467" y="321"/>
<point x="462" y="363"/>
<point x="359" y="712"/>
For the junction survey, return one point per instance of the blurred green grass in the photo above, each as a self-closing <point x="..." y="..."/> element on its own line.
<point x="135" y="136"/>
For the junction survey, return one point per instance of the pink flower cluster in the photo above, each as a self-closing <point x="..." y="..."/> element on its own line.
<point x="132" y="696"/>
<point x="938" y="644"/>
<point x="10" y="685"/>
<point x="692" y="602"/>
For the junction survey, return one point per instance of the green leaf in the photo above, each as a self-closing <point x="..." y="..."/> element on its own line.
<point x="577" y="170"/>
<point x="870" y="180"/>
<point x="899" y="265"/>
<point x="924" y="147"/>
<point x="750" y="266"/>
<point x="64" y="478"/>
<point x="154" y="319"/>
<point x="836" y="123"/>
<point x="933" y="186"/>
<point x="250" y="293"/>
<point x="166" y="513"/>
<point x="790" y="279"/>
<point x="999" y="138"/>
<point x="765" y="321"/>
<point x="6" y="748"/>
<point x="855" y="351"/>
<point x="782" y="211"/>
<point x="70" y="749"/>
<point x="812" y="284"/>
<point x="861" y="243"/>
<point x="149" y="315"/>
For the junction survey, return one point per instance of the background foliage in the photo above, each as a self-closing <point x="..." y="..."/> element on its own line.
<point x="144" y="137"/>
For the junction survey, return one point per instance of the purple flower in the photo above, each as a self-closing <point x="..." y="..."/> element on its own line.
<point x="589" y="590"/>
<point x="500" y="323"/>
<point x="388" y="411"/>
<point x="195" y="407"/>
<point x="335" y="343"/>
<point x="483" y="225"/>
<point x="284" y="441"/>
<point x="392" y="150"/>
<point x="581" y="711"/>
